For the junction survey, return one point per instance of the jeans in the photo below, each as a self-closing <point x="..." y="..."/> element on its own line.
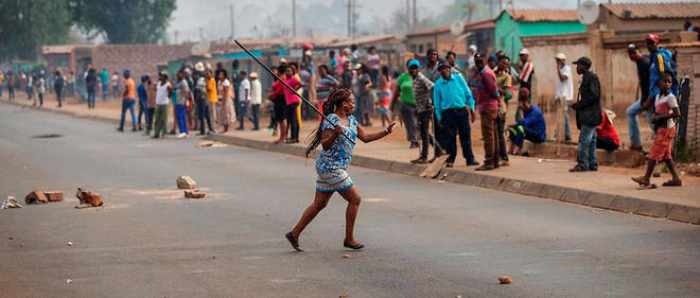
<point x="59" y="96"/>
<point x="563" y="107"/>
<point x="408" y="113"/>
<point x="161" y="120"/>
<point x="128" y="104"/>
<point x="293" y="120"/>
<point x="180" y="113"/>
<point x="489" y="132"/>
<point x="105" y="91"/>
<point x="586" y="148"/>
<point x="142" y="112"/>
<point x="243" y="109"/>
<point x="150" y="113"/>
<point x="203" y="114"/>
<point x="91" y="99"/>
<point x="633" y="124"/>
<point x="455" y="122"/>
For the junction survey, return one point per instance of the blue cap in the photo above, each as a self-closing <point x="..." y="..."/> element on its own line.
<point x="413" y="62"/>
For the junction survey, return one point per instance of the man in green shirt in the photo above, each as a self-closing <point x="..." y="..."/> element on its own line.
<point x="404" y="93"/>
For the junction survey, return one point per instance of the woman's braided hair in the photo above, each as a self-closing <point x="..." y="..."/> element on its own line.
<point x="335" y="100"/>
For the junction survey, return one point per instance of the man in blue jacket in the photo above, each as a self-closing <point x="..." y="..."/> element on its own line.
<point x="661" y="62"/>
<point x="531" y="127"/>
<point x="454" y="110"/>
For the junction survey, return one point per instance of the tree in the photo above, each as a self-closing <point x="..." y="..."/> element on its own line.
<point x="124" y="21"/>
<point x="27" y="25"/>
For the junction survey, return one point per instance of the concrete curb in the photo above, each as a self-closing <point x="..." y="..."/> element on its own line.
<point x="593" y="199"/>
<point x="686" y="214"/>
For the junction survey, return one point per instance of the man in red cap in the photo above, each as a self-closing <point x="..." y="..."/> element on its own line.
<point x="661" y="63"/>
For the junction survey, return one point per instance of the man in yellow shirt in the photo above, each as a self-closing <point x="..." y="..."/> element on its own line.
<point x="128" y="101"/>
<point x="211" y="94"/>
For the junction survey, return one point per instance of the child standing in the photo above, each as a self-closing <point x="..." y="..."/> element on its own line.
<point x="666" y="113"/>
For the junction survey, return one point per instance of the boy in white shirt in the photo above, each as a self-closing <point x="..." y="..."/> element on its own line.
<point x="255" y="99"/>
<point x="243" y="99"/>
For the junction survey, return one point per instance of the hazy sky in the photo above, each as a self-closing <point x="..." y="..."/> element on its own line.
<point x="255" y="17"/>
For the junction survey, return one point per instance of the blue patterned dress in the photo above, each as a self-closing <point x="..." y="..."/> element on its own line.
<point x="332" y="164"/>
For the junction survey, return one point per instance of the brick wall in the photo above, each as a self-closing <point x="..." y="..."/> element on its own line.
<point x="140" y="59"/>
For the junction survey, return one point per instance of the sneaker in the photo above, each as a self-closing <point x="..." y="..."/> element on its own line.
<point x="182" y="135"/>
<point x="672" y="183"/>
<point x="641" y="180"/>
<point x="578" y="168"/>
<point x="472" y="163"/>
<point x="486" y="167"/>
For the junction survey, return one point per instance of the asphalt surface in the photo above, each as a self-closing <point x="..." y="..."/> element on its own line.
<point x="423" y="238"/>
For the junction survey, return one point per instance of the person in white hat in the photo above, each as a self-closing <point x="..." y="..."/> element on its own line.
<point x="526" y="70"/>
<point x="471" y="51"/>
<point x="255" y="99"/>
<point x="563" y="97"/>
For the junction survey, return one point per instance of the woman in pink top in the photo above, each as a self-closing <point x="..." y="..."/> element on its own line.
<point x="292" y="100"/>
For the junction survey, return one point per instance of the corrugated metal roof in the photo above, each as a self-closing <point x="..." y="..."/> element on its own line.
<point x="677" y="10"/>
<point x="363" y="40"/>
<point x="430" y="31"/>
<point x="485" y="24"/>
<point x="61" y="49"/>
<point x="544" y="15"/>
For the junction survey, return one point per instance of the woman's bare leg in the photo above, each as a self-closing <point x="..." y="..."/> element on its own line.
<point x="353" y="199"/>
<point x="320" y="202"/>
<point x="283" y="132"/>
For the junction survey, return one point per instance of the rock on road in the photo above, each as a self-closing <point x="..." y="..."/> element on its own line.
<point x="424" y="239"/>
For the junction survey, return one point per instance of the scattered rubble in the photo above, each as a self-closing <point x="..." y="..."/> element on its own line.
<point x="186" y="182"/>
<point x="505" y="280"/>
<point x="195" y="194"/>
<point x="69" y="281"/>
<point x="54" y="196"/>
<point x="88" y="199"/>
<point x="10" y="202"/>
<point x="36" y="197"/>
<point x="69" y="243"/>
<point x="211" y="144"/>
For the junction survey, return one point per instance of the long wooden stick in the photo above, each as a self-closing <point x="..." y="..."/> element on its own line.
<point x="303" y="99"/>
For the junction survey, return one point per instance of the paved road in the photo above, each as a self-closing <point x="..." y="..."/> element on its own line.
<point x="424" y="239"/>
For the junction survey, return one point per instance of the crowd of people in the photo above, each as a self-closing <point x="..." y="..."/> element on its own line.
<point x="436" y="100"/>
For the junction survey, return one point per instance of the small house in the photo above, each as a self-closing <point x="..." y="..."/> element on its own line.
<point x="513" y="25"/>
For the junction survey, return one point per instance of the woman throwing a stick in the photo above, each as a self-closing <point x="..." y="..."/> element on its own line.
<point x="336" y="134"/>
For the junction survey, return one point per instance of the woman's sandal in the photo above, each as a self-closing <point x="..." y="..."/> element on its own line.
<point x="293" y="241"/>
<point x="355" y="247"/>
<point x="671" y="183"/>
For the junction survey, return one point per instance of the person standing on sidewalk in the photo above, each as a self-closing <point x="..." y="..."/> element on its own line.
<point x="454" y="110"/>
<point x="423" y="94"/>
<point x="143" y="102"/>
<point x="642" y="96"/>
<point x="163" y="90"/>
<point x="243" y="99"/>
<point x="336" y="134"/>
<point x="91" y="86"/>
<point x="255" y="99"/>
<point x="202" y="100"/>
<point x="588" y="116"/>
<point x="404" y="93"/>
<point x="292" y="101"/>
<point x="212" y="95"/>
<point x="488" y="105"/>
<point x="58" y="85"/>
<point x="666" y="114"/>
<point x="504" y="81"/>
<point x="40" y="86"/>
<point x="183" y="90"/>
<point x="104" y="79"/>
<point x="564" y="96"/>
<point x="225" y="92"/>
<point x="151" y="91"/>
<point x="128" y="101"/>
<point x="526" y="69"/>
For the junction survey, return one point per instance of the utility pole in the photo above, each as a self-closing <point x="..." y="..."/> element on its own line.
<point x="233" y="22"/>
<point x="294" y="18"/>
<point x="415" y="16"/>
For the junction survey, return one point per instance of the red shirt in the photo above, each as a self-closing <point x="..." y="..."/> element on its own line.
<point x="607" y="130"/>
<point x="487" y="91"/>
<point x="289" y="96"/>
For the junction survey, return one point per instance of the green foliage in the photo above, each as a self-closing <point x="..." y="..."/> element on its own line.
<point x="124" y="21"/>
<point x="27" y="25"/>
